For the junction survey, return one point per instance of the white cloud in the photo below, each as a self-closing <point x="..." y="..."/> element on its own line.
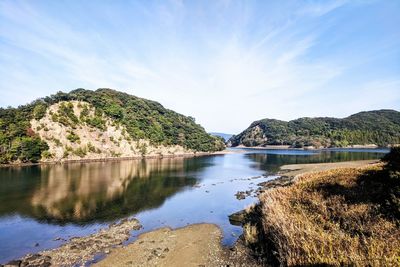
<point x="225" y="76"/>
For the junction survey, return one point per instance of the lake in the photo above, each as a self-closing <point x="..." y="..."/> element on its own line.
<point x="41" y="203"/>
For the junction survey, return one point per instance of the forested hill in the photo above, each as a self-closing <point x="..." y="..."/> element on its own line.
<point x="225" y="136"/>
<point x="379" y="127"/>
<point x="101" y="123"/>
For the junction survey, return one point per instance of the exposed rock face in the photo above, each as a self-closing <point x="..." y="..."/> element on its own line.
<point x="83" y="134"/>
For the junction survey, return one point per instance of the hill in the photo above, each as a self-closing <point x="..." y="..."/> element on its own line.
<point x="85" y="124"/>
<point x="225" y="136"/>
<point x="379" y="127"/>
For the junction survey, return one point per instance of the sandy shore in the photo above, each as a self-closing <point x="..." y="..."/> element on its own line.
<point x="194" y="245"/>
<point x="296" y="169"/>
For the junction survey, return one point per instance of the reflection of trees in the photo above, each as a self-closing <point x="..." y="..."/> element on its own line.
<point x="272" y="162"/>
<point x="98" y="190"/>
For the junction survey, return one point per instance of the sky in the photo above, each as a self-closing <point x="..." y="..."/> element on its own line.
<point x="225" y="63"/>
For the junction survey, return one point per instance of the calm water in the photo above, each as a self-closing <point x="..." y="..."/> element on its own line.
<point x="41" y="203"/>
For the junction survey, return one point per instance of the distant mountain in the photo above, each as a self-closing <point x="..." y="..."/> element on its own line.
<point x="379" y="127"/>
<point x="85" y="124"/>
<point x="225" y="136"/>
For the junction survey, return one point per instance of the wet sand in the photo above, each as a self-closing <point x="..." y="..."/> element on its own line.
<point x="193" y="245"/>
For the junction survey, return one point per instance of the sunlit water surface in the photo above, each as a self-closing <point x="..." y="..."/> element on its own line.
<point x="41" y="203"/>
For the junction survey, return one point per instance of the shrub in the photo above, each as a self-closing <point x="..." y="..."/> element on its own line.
<point x="96" y="122"/>
<point x="28" y="148"/>
<point x="66" y="115"/>
<point x="115" y="154"/>
<point x="72" y="137"/>
<point x="84" y="113"/>
<point x="39" y="111"/>
<point x="91" y="148"/>
<point x="46" y="154"/>
<point x="54" y="117"/>
<point x="56" y="141"/>
<point x="80" y="152"/>
<point x="143" y="149"/>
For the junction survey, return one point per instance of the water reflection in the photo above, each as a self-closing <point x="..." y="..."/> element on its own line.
<point x="40" y="203"/>
<point x="100" y="191"/>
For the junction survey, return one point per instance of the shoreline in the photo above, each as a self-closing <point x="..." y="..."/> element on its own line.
<point x="81" y="250"/>
<point x="283" y="223"/>
<point x="167" y="247"/>
<point x="251" y="218"/>
<point x="197" y="244"/>
<point x="89" y="160"/>
<point x="293" y="170"/>
<point x="287" y="147"/>
<point x="192" y="245"/>
<point x="228" y="150"/>
<point x="108" y="249"/>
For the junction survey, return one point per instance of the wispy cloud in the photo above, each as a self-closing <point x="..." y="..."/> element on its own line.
<point x="225" y="63"/>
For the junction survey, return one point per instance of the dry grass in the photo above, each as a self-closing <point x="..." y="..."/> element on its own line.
<point x="331" y="217"/>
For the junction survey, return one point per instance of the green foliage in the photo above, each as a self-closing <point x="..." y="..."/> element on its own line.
<point x="91" y="148"/>
<point x="39" y="111"/>
<point x="66" y="115"/>
<point x="17" y="140"/>
<point x="56" y="141"/>
<point x="143" y="119"/>
<point x="46" y="154"/>
<point x="72" y="137"/>
<point x="84" y="112"/>
<point x="80" y="152"/>
<point x="143" y="149"/>
<point x="115" y="154"/>
<point x="381" y="127"/>
<point x="219" y="143"/>
<point x="114" y="111"/>
<point x="28" y="149"/>
<point x="97" y="122"/>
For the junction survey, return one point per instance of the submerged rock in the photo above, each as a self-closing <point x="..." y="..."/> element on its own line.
<point x="237" y="218"/>
<point x="278" y="182"/>
<point x="243" y="194"/>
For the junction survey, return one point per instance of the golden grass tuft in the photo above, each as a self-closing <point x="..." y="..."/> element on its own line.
<point x="329" y="218"/>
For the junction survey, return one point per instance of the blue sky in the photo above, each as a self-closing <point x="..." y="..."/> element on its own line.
<point x="226" y="63"/>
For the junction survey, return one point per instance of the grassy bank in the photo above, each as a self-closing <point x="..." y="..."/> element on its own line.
<point x="347" y="216"/>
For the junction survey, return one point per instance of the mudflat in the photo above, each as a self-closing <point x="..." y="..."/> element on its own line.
<point x="194" y="245"/>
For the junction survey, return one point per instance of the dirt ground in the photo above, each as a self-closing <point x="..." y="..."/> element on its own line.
<point x="194" y="245"/>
